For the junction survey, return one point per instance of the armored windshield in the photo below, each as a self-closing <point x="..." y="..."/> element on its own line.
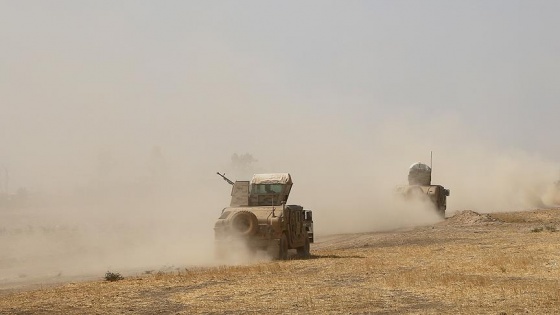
<point x="270" y="189"/>
<point x="262" y="189"/>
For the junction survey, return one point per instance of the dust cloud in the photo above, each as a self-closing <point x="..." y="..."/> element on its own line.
<point x="351" y="182"/>
<point x="138" y="212"/>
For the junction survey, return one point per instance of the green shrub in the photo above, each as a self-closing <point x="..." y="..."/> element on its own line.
<point x="111" y="276"/>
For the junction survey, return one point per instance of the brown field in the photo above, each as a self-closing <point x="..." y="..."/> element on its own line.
<point x="501" y="263"/>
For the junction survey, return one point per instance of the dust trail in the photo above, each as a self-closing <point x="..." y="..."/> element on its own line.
<point x="127" y="216"/>
<point x="349" y="181"/>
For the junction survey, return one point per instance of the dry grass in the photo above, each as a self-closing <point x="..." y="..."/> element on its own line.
<point x="483" y="268"/>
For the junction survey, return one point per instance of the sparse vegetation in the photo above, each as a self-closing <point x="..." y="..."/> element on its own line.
<point x="549" y="228"/>
<point x="451" y="267"/>
<point x="111" y="276"/>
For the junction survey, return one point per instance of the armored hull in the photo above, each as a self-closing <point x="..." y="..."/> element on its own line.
<point x="259" y="218"/>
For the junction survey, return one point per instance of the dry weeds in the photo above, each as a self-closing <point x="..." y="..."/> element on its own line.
<point x="466" y="265"/>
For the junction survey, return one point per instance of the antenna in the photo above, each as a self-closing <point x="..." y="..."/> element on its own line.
<point x="431" y="167"/>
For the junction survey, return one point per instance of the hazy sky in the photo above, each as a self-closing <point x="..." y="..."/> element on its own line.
<point x="204" y="79"/>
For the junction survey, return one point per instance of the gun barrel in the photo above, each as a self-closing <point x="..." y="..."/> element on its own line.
<point x="225" y="178"/>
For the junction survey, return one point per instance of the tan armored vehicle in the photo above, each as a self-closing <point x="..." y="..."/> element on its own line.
<point x="259" y="218"/>
<point x="420" y="187"/>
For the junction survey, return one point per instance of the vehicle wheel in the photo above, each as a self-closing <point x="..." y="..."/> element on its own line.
<point x="304" y="251"/>
<point x="244" y="223"/>
<point x="283" y="248"/>
<point x="441" y="212"/>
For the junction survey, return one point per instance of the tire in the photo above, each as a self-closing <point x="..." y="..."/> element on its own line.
<point x="283" y="248"/>
<point x="441" y="212"/>
<point x="304" y="251"/>
<point x="244" y="223"/>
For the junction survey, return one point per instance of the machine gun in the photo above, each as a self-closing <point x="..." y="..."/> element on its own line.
<point x="225" y="178"/>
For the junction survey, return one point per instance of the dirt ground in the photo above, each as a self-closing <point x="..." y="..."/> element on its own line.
<point x="471" y="263"/>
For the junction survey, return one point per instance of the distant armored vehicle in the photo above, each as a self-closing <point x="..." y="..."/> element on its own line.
<point x="420" y="187"/>
<point x="259" y="217"/>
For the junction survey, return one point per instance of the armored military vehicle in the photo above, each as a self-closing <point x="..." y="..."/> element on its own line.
<point x="420" y="187"/>
<point x="259" y="217"/>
